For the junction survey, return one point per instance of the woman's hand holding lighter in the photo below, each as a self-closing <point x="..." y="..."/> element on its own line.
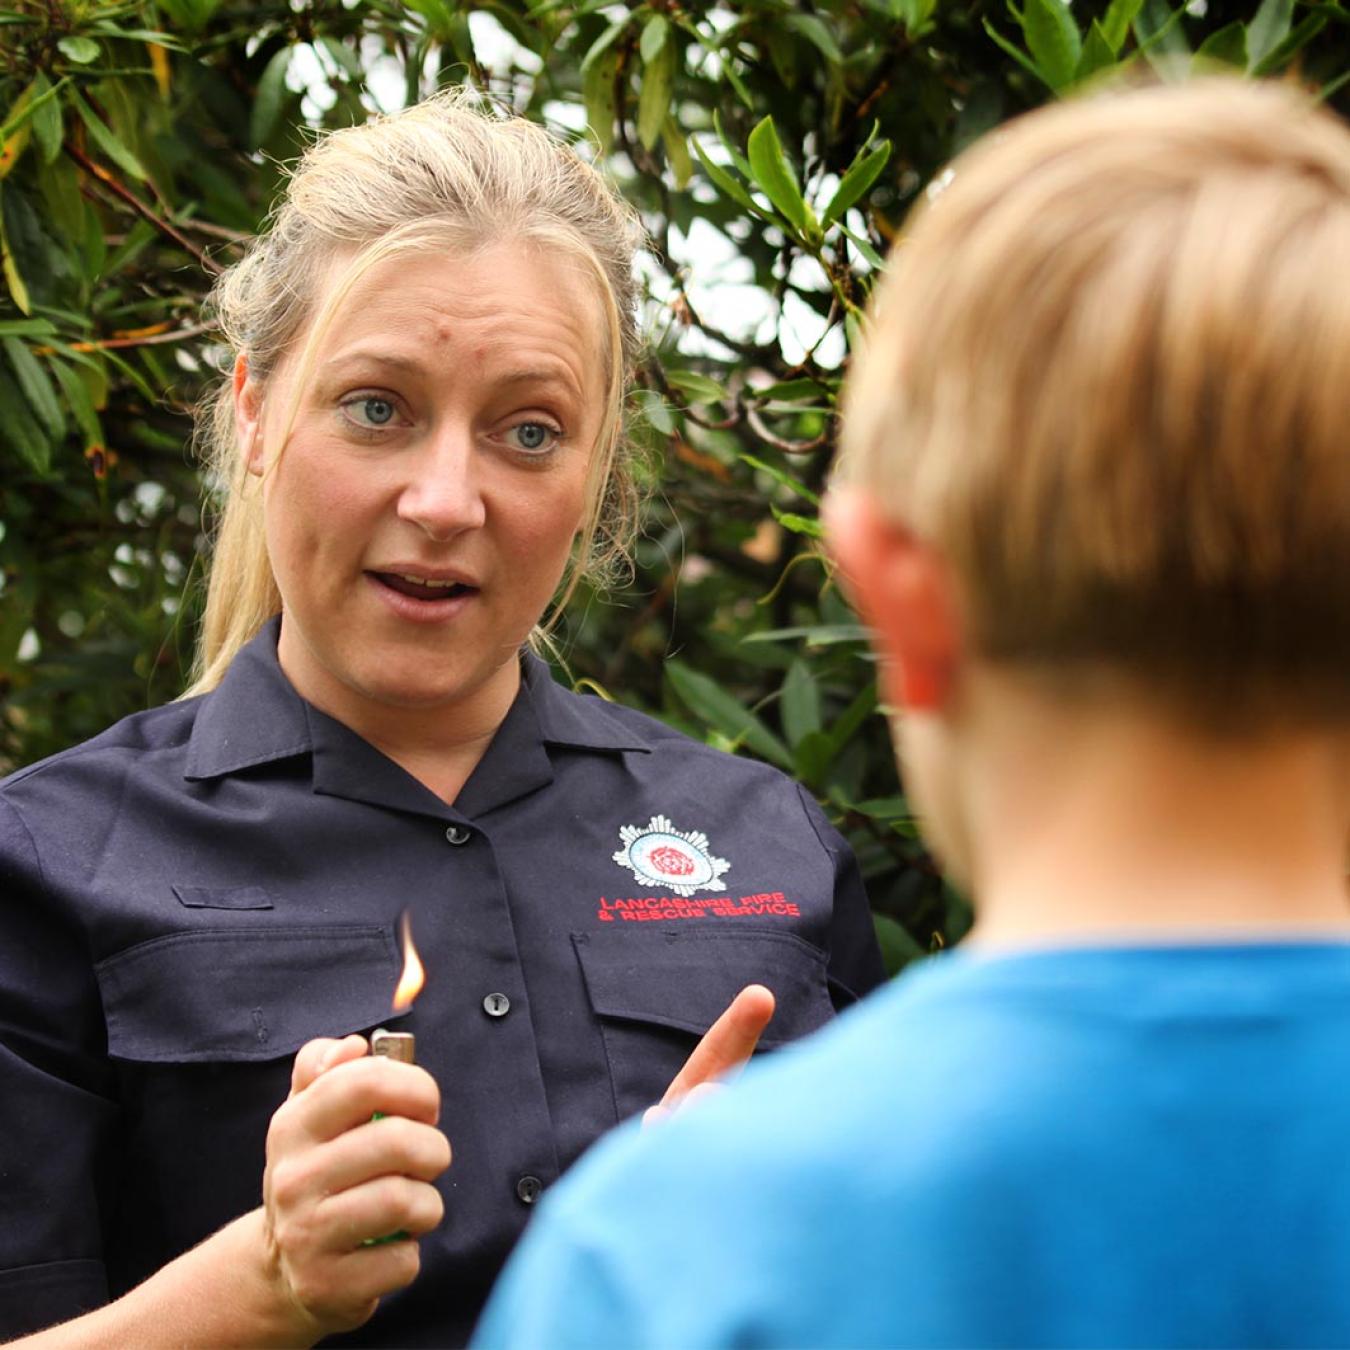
<point x="335" y="1178"/>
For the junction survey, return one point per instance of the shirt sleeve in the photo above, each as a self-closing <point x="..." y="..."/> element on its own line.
<point x="56" y="1100"/>
<point x="855" y="966"/>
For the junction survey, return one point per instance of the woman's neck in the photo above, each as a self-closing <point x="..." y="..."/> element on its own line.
<point x="439" y="744"/>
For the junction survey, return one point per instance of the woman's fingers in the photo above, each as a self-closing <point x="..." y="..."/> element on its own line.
<point x="317" y="1056"/>
<point x="337" y="1176"/>
<point x="728" y="1043"/>
<point x="393" y="1146"/>
<point x="377" y="1208"/>
<point x="351" y="1091"/>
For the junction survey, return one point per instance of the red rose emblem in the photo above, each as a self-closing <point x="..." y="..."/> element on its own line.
<point x="671" y="862"/>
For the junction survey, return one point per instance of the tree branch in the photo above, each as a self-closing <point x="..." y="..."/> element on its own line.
<point x="124" y="194"/>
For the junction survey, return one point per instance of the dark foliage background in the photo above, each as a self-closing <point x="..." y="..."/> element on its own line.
<point x="773" y="148"/>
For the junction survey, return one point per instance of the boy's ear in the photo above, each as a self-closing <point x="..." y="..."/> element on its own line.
<point x="904" y="593"/>
<point x="248" y="416"/>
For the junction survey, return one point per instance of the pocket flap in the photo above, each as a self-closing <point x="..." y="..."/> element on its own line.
<point x="686" y="979"/>
<point x="217" y="995"/>
<point x="223" y="897"/>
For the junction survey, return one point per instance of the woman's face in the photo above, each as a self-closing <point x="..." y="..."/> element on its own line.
<point x="422" y="509"/>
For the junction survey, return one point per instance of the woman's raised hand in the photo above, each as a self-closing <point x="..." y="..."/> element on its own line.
<point x="336" y="1177"/>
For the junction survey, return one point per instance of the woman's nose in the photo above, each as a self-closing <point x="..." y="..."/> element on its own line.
<point x="443" y="493"/>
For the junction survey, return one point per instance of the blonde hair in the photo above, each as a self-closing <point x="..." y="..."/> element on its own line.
<point x="446" y="173"/>
<point x="1108" y="381"/>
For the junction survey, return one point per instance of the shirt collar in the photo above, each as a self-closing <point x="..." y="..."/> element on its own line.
<point x="578" y="721"/>
<point x="255" y="716"/>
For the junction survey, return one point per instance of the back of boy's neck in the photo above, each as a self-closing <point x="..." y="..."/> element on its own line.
<point x="1120" y="831"/>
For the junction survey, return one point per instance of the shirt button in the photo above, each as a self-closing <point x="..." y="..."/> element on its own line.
<point x="528" y="1188"/>
<point x="457" y="834"/>
<point x="496" y="1005"/>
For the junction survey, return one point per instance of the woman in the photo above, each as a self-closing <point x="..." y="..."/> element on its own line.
<point x="421" y="440"/>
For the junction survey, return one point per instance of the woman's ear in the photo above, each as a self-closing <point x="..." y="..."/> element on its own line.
<point x="248" y="416"/>
<point x="903" y="590"/>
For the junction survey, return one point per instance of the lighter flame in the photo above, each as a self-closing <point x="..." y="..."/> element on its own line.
<point x="413" y="977"/>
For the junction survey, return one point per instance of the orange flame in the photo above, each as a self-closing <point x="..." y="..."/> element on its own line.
<point x="411" y="981"/>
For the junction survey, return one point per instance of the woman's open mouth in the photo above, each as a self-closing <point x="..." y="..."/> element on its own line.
<point x="420" y="589"/>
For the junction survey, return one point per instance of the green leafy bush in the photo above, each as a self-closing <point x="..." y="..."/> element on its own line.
<point x="773" y="148"/>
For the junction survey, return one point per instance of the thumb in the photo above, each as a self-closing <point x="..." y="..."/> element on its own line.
<point x="318" y="1056"/>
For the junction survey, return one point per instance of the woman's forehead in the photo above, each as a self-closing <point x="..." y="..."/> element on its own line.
<point x="511" y="306"/>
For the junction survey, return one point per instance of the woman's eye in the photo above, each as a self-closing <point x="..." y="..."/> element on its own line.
<point x="371" y="411"/>
<point x="533" y="436"/>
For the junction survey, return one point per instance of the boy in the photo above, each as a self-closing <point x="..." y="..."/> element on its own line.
<point x="1096" y="507"/>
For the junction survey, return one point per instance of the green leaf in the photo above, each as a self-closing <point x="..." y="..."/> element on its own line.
<point x="1052" y="38"/>
<point x="31" y="328"/>
<point x="792" y="391"/>
<point x="677" y="152"/>
<point x="1268" y="28"/>
<point x="699" y="388"/>
<point x="603" y="43"/>
<point x="898" y="947"/>
<point x="19" y="429"/>
<point x="193" y="15"/>
<point x="1157" y="29"/>
<point x="46" y="113"/>
<point x="81" y="50"/>
<point x="815" y="635"/>
<point x="18" y="288"/>
<point x="1116" y="23"/>
<point x="724" y="182"/>
<point x="105" y="140"/>
<point x="783" y="477"/>
<point x="853" y="717"/>
<point x="269" y="98"/>
<point x="81" y="403"/>
<point x="1020" y="57"/>
<point x="813" y="29"/>
<point x="913" y="13"/>
<point x="1305" y="30"/>
<point x="798" y="524"/>
<point x="1224" y="48"/>
<point x="801" y="703"/>
<point x="733" y="150"/>
<point x="862" y="173"/>
<point x="738" y="84"/>
<point x="773" y="173"/>
<point x="37" y="387"/>
<point x="658" y="85"/>
<point x="655" y="410"/>
<point x="653" y="38"/>
<point x="723" y="712"/>
<point x="864" y="246"/>
<point x="1097" y="55"/>
<point x="812" y="757"/>
<point x="598" y="93"/>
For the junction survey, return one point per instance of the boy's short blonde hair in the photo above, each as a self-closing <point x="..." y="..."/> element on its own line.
<point x="1109" y="380"/>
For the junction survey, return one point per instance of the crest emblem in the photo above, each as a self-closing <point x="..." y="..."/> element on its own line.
<point x="680" y="860"/>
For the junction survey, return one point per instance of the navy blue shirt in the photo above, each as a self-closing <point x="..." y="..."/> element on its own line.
<point x="189" y="897"/>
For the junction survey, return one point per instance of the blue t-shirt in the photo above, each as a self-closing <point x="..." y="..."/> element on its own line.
<point x="1142" y="1146"/>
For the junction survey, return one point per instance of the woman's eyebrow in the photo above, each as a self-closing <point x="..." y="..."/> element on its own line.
<point x="556" y="375"/>
<point x="373" y="356"/>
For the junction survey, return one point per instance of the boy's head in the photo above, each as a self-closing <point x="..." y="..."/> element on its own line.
<point x="1107" y="391"/>
<point x="1109" y="383"/>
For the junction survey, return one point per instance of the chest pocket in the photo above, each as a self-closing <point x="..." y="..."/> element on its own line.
<point x="216" y="995"/>
<point x="656" y="991"/>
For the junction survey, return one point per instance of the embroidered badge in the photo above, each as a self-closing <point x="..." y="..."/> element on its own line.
<point x="680" y="860"/>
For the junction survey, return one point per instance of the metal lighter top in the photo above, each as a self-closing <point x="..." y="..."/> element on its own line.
<point x="399" y="1045"/>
